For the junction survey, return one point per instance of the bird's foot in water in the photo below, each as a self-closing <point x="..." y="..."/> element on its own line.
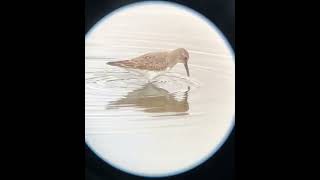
<point x="162" y="81"/>
<point x="157" y="81"/>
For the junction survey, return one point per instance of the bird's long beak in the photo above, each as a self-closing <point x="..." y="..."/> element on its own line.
<point x="187" y="68"/>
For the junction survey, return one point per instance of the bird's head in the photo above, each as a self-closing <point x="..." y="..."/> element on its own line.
<point x="183" y="57"/>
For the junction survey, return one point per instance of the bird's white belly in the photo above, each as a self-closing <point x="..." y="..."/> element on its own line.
<point x="153" y="74"/>
<point x="149" y="74"/>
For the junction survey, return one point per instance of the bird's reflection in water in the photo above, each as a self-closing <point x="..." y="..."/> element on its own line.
<point x="152" y="99"/>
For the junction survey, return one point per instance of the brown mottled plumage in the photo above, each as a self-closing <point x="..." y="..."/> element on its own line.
<point x="150" y="61"/>
<point x="157" y="62"/>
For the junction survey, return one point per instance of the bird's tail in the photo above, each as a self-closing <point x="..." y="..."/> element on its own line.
<point x="118" y="63"/>
<point x="112" y="63"/>
<point x="115" y="63"/>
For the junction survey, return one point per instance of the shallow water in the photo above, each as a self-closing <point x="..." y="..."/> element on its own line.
<point x="172" y="123"/>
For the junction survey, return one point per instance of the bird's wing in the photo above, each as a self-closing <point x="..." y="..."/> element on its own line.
<point x="150" y="61"/>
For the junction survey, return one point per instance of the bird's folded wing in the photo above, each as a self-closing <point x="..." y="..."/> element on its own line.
<point x="151" y="61"/>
